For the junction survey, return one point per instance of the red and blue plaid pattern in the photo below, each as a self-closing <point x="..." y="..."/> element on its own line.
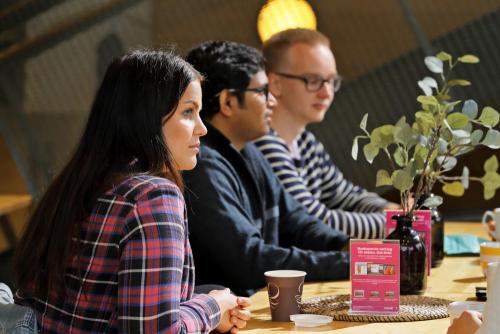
<point x="135" y="272"/>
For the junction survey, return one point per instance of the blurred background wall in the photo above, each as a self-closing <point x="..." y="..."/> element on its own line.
<point x="53" y="54"/>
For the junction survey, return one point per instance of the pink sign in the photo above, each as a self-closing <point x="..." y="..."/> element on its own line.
<point x="374" y="276"/>
<point x="422" y="225"/>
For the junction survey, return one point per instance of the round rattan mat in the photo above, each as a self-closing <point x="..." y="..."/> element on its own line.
<point x="412" y="308"/>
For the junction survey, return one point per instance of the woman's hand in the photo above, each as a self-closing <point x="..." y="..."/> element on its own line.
<point x="467" y="323"/>
<point x="234" y="312"/>
<point x="240" y="314"/>
<point x="226" y="302"/>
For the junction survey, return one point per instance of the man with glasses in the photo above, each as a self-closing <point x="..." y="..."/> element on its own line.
<point x="241" y="221"/>
<point x="304" y="79"/>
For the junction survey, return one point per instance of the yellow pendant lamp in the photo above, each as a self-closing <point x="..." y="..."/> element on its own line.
<point x="279" y="15"/>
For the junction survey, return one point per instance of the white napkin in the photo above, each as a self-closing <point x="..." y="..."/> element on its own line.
<point x="491" y="320"/>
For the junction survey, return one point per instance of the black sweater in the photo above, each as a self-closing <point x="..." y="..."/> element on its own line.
<point x="243" y="223"/>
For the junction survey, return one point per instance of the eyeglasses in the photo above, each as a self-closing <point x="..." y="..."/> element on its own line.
<point x="263" y="90"/>
<point x="314" y="83"/>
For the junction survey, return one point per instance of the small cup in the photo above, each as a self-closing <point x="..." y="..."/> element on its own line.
<point x="495" y="215"/>
<point x="490" y="276"/>
<point x="455" y="309"/>
<point x="489" y="252"/>
<point x="285" y="292"/>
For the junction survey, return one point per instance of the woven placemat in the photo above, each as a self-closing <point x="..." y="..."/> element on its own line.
<point x="412" y="308"/>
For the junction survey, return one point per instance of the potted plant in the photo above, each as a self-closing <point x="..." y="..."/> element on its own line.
<point x="425" y="152"/>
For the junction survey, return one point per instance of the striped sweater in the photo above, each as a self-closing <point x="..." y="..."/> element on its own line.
<point x="310" y="176"/>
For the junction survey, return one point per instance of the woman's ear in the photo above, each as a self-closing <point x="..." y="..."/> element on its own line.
<point x="226" y="103"/>
<point x="274" y="84"/>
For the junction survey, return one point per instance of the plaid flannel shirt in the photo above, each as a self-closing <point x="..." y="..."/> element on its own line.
<point x="135" y="272"/>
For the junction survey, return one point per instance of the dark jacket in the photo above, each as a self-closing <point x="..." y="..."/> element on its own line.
<point x="242" y="222"/>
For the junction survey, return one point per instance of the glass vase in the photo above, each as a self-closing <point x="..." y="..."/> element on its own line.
<point x="413" y="256"/>
<point x="437" y="232"/>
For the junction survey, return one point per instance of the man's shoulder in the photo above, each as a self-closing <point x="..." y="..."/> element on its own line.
<point x="271" y="143"/>
<point x="213" y="167"/>
<point x="308" y="143"/>
<point x="208" y="153"/>
<point x="309" y="137"/>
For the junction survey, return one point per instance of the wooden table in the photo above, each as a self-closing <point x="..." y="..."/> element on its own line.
<point x="10" y="203"/>
<point x="455" y="279"/>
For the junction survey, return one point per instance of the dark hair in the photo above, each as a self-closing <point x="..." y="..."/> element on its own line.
<point x="225" y="65"/>
<point x="276" y="46"/>
<point x="123" y="137"/>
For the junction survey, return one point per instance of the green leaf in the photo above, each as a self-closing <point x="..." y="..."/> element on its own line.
<point x="489" y="117"/>
<point x="433" y="201"/>
<point x="449" y="162"/>
<point x="449" y="106"/>
<point x="362" y="125"/>
<point x="459" y="82"/>
<point x="405" y="135"/>
<point x="442" y="146"/>
<point x="434" y="64"/>
<point x="420" y="155"/>
<point x="445" y="122"/>
<point x="419" y="162"/>
<point x="402" y="180"/>
<point x="491" y="182"/>
<point x="383" y="178"/>
<point x="354" y="150"/>
<point x="469" y="59"/>
<point x="491" y="165"/>
<point x="443" y="97"/>
<point x="464" y="150"/>
<point x="446" y="133"/>
<point x="371" y="151"/>
<point x="399" y="156"/>
<point x="489" y="192"/>
<point x="443" y="56"/>
<point x="433" y="156"/>
<point x="492" y="139"/>
<point x="425" y="122"/>
<point x="431" y="100"/>
<point x="455" y="188"/>
<point x="411" y="168"/>
<point x="401" y="122"/>
<point x="460" y="137"/>
<point x="422" y="140"/>
<point x="468" y="127"/>
<point x="383" y="136"/>
<point x="465" y="177"/>
<point x="457" y="120"/>
<point x="476" y="137"/>
<point x="470" y="109"/>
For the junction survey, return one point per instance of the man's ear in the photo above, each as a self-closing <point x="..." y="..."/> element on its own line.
<point x="274" y="84"/>
<point x="226" y="102"/>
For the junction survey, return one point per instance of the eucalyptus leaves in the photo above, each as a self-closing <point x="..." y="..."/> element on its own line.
<point x="423" y="153"/>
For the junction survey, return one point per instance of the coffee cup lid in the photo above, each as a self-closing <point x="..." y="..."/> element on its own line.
<point x="285" y="273"/>
<point x="310" y="320"/>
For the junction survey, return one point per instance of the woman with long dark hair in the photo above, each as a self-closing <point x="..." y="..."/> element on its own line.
<point x="107" y="248"/>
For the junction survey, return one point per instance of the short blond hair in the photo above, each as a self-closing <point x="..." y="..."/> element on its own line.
<point x="274" y="48"/>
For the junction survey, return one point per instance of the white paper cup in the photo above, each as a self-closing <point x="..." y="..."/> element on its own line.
<point x="455" y="309"/>
<point x="488" y="252"/>
<point x="490" y="275"/>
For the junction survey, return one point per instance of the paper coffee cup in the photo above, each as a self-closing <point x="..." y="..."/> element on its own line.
<point x="489" y="252"/>
<point x="455" y="309"/>
<point x="285" y="292"/>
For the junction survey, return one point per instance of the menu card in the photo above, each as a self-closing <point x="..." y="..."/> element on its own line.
<point x="422" y="225"/>
<point x="374" y="276"/>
